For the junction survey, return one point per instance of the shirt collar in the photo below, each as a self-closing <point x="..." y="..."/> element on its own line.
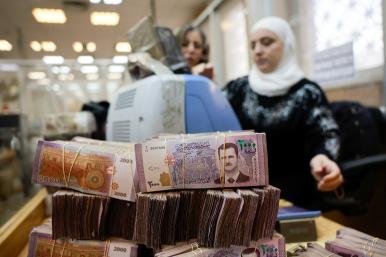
<point x="235" y="176"/>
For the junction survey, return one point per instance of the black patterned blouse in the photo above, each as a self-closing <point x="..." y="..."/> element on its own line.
<point x="298" y="125"/>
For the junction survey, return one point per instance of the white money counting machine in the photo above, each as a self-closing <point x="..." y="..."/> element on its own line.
<point x="168" y="104"/>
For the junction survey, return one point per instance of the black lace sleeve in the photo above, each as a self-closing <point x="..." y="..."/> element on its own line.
<point x="234" y="91"/>
<point x="322" y="129"/>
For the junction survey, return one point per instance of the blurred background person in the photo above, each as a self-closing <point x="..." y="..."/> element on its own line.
<point x="99" y="110"/>
<point x="195" y="49"/>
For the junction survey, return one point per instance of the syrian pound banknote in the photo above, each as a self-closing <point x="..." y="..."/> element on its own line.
<point x="274" y="247"/>
<point x="313" y="249"/>
<point x="210" y="160"/>
<point x="351" y="242"/>
<point x="94" y="169"/>
<point x="41" y="244"/>
<point x="346" y="250"/>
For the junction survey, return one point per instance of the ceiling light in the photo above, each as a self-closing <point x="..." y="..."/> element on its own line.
<point x="48" y="46"/>
<point x="120" y="59"/>
<point x="5" y="45"/>
<point x="123" y="47"/>
<point x="116" y="68"/>
<point x="43" y="82"/>
<point x="95" y="1"/>
<point x="60" y="69"/>
<point x="226" y="25"/>
<point x="91" y="46"/>
<point x="66" y="76"/>
<point x="9" y="67"/>
<point x="93" y="87"/>
<point x="92" y="76"/>
<point x="104" y="18"/>
<point x="114" y="76"/>
<point x="55" y="87"/>
<point x="85" y="59"/>
<point x="35" y="75"/>
<point x="49" y="15"/>
<point x="77" y="46"/>
<point x="89" y="69"/>
<point x="114" y="2"/>
<point x="74" y="87"/>
<point x="53" y="59"/>
<point x="35" y="45"/>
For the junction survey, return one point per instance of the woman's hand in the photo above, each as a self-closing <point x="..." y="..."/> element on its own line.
<point x="326" y="172"/>
<point x="204" y="69"/>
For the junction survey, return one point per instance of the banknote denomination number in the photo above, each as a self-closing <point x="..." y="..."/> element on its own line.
<point x="124" y="160"/>
<point x="120" y="194"/>
<point x="152" y="184"/>
<point x="48" y="179"/>
<point x="119" y="249"/>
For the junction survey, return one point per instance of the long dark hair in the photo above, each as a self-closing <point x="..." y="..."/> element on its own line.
<point x="205" y="46"/>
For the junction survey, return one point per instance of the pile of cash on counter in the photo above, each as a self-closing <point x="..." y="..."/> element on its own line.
<point x="172" y="195"/>
<point x="348" y="242"/>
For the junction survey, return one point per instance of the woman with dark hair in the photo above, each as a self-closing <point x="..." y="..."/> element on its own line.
<point x="195" y="49"/>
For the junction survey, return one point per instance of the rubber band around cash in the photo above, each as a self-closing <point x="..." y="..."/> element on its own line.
<point x="64" y="247"/>
<point x="194" y="245"/>
<point x="366" y="249"/>
<point x="106" y="250"/>
<point x="53" y="248"/>
<point x="66" y="181"/>
<point x="183" y="160"/>
<point x="374" y="241"/>
<point x="222" y="163"/>
<point x="370" y="248"/>
<point x="197" y="252"/>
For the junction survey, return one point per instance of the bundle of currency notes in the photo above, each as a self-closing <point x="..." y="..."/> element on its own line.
<point x="207" y="160"/>
<point x="121" y="219"/>
<point x="312" y="250"/>
<point x="189" y="213"/>
<point x="41" y="244"/>
<point x="350" y="242"/>
<point x="77" y="215"/>
<point x="264" y="222"/>
<point x="274" y="247"/>
<point x="105" y="170"/>
<point x="120" y="170"/>
<point x="164" y="218"/>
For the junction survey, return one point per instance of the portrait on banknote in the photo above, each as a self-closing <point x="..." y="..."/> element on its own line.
<point x="230" y="163"/>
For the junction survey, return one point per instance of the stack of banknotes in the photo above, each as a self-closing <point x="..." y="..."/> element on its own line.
<point x="216" y="218"/>
<point x="350" y="242"/>
<point x="41" y="243"/>
<point x="274" y="247"/>
<point x="79" y="216"/>
<point x="211" y="188"/>
<point x="120" y="219"/>
<point x="311" y="250"/>
<point x="169" y="162"/>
